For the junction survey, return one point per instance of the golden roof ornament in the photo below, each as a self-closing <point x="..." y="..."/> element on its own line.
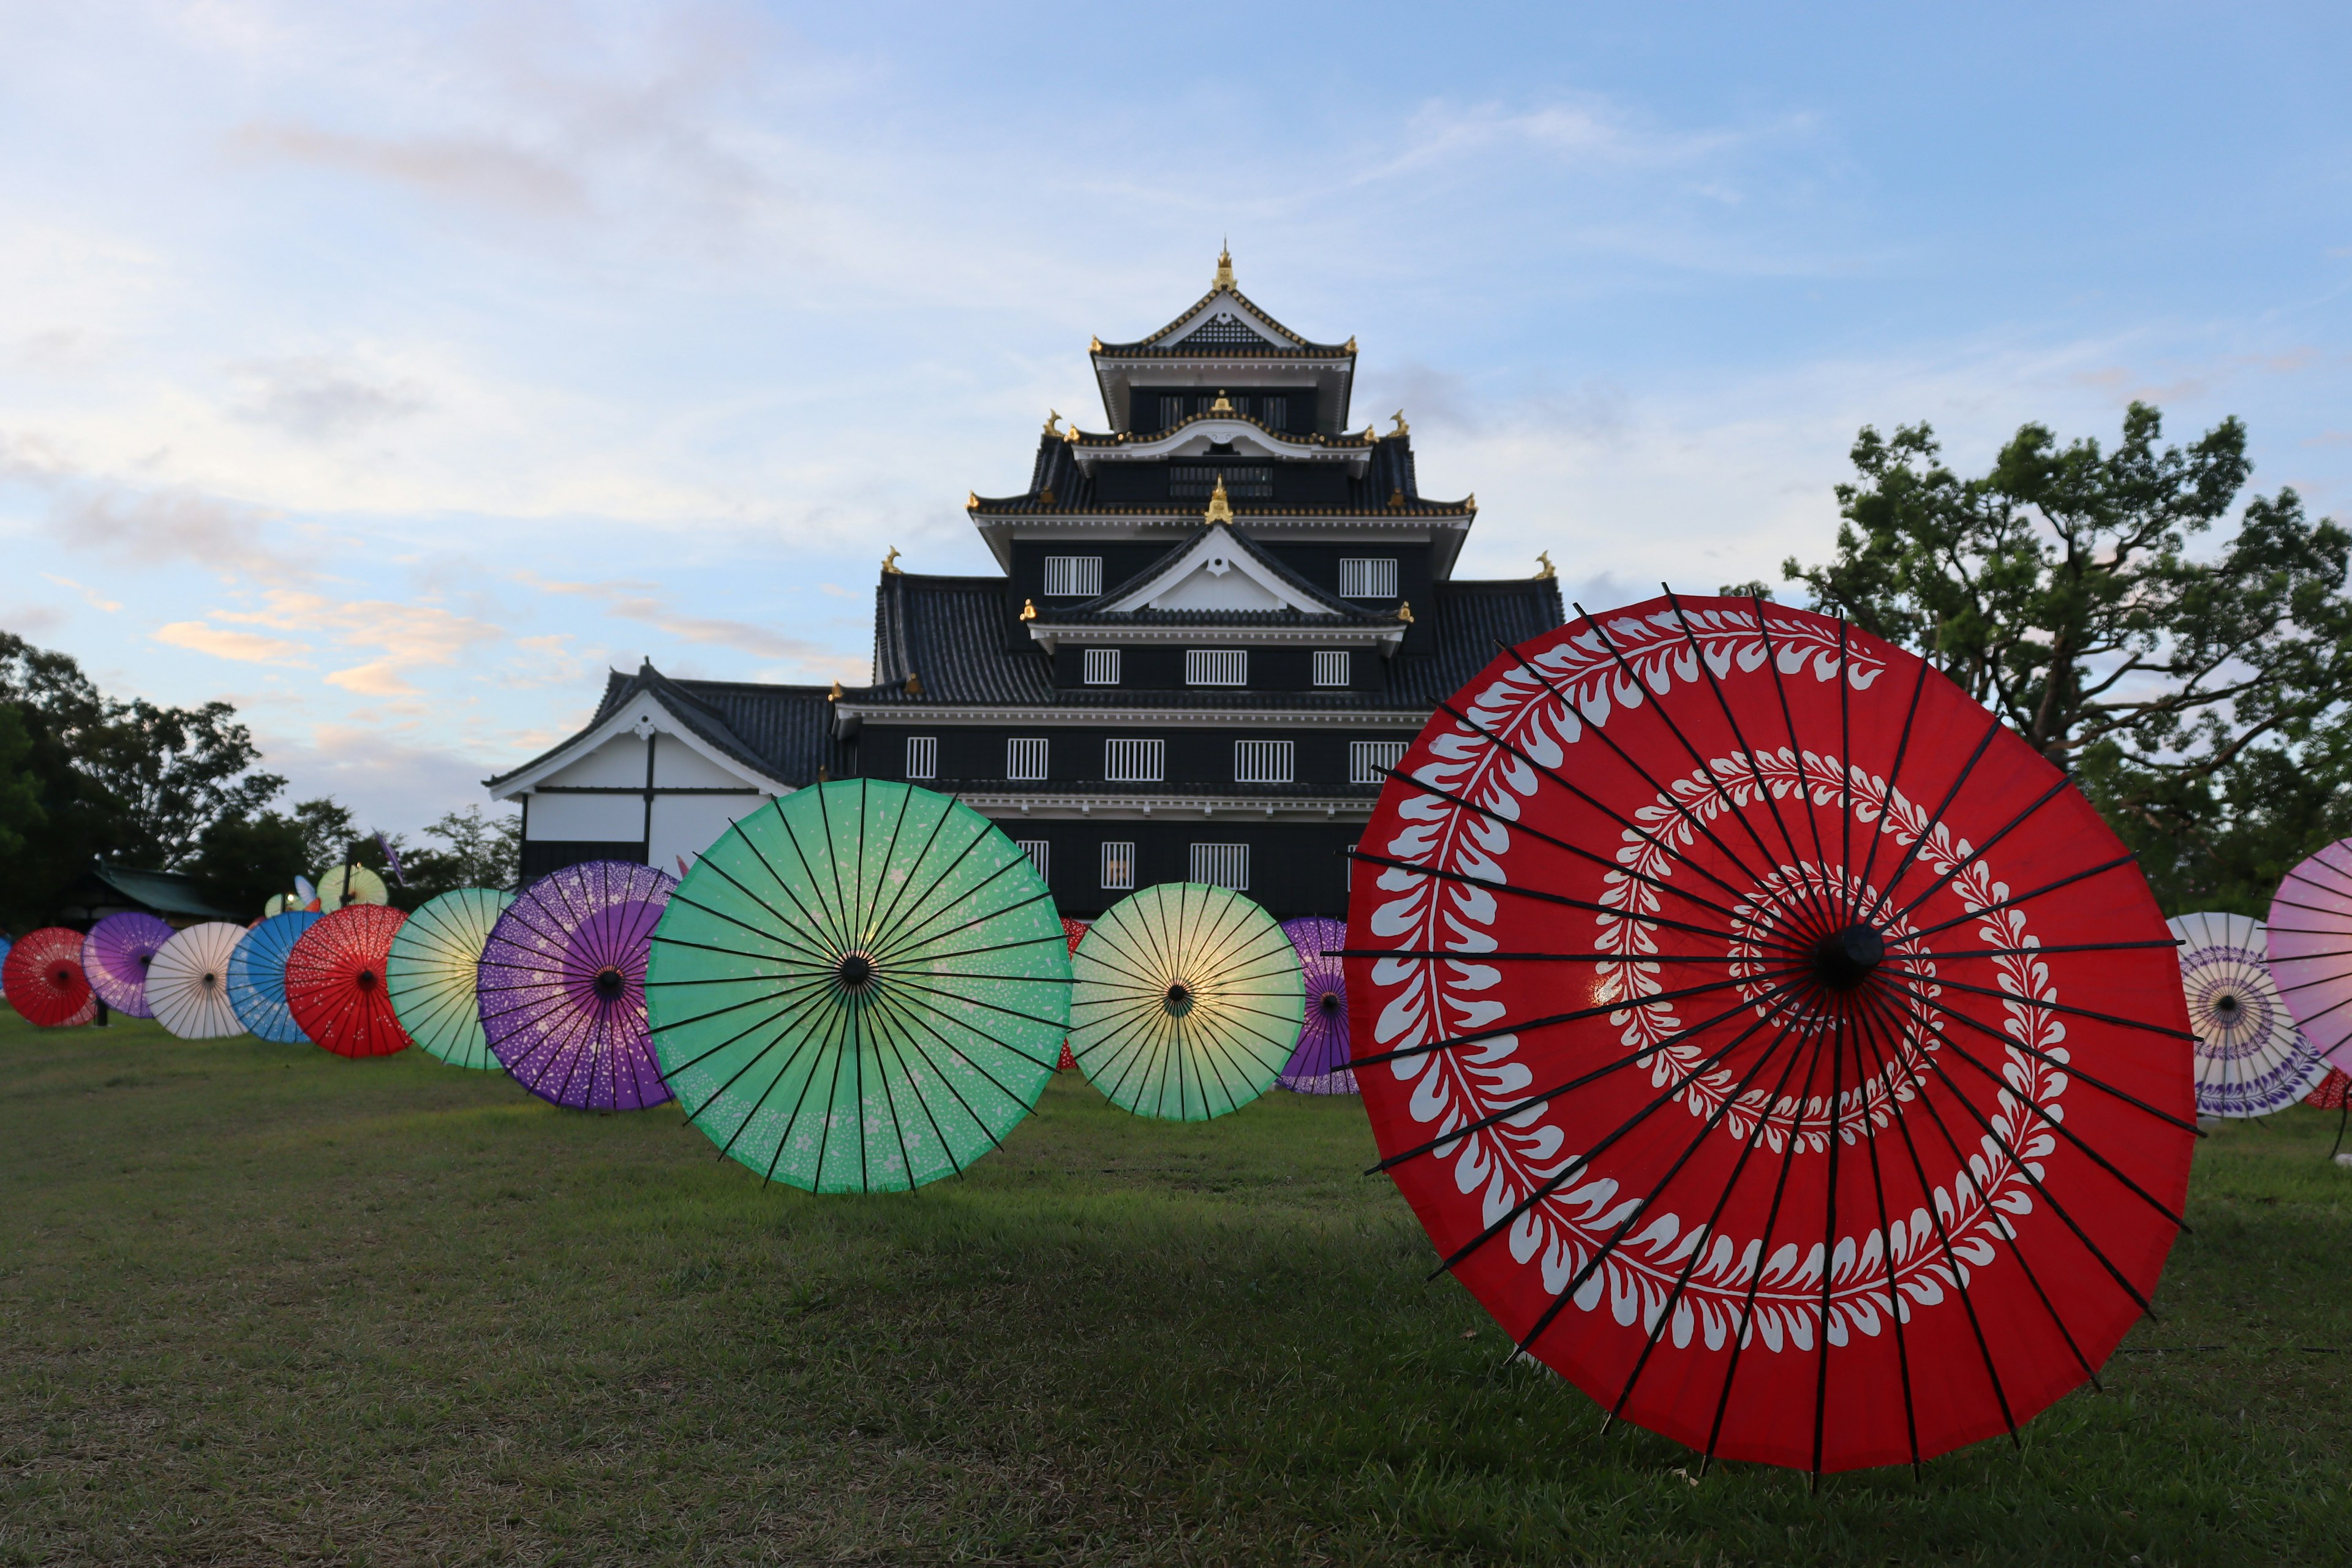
<point x="1401" y="428"/>
<point x="971" y="500"/>
<point x="1396" y="498"/>
<point x="1225" y="279"/>
<point x="1046" y="495"/>
<point x="1220" y="509"/>
<point x="1547" y="574"/>
<point x="1222" y="405"/>
<point x="1352" y="344"/>
<point x="1094" y="345"/>
<point x="890" y="562"/>
<point x="1071" y="434"/>
<point x="1052" y="420"/>
<point x="1404" y="611"/>
<point x="834" y="695"/>
<point x="914" y="684"/>
<point x="1028" y="609"/>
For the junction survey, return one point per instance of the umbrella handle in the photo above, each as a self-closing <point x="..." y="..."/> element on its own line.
<point x="2341" y="1115"/>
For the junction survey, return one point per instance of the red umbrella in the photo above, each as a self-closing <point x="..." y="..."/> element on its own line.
<point x="44" y="981"/>
<point x="1781" y="1049"/>
<point x="1074" y="933"/>
<point x="334" y="982"/>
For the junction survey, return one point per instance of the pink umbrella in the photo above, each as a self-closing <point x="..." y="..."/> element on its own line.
<point x="2311" y="950"/>
<point x="115" y="956"/>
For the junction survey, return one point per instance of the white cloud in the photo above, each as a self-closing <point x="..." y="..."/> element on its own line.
<point x="246" y="648"/>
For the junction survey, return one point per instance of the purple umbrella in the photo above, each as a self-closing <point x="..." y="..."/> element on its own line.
<point x="115" y="955"/>
<point x="563" y="987"/>
<point x="1318" y="1064"/>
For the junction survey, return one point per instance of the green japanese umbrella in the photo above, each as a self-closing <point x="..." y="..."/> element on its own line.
<point x="862" y="986"/>
<point x="1186" y="1002"/>
<point x="429" y="974"/>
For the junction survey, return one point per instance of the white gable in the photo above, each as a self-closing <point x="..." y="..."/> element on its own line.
<point x="1223" y="321"/>
<point x="613" y="755"/>
<point x="1216" y="574"/>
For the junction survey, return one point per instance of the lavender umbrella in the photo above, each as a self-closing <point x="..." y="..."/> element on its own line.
<point x="563" y="987"/>
<point x="2310" y="945"/>
<point x="115" y="955"/>
<point x="1318" y="1064"/>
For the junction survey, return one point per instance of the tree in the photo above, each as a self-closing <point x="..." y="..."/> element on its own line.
<point x="475" y="851"/>
<point x="2059" y="589"/>
<point x="243" y="862"/>
<point x="175" y="774"/>
<point x="20" y="788"/>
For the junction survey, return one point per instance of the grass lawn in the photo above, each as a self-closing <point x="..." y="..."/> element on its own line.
<point x="259" y="1304"/>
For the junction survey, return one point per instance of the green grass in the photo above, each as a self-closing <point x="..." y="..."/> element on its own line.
<point x="260" y="1304"/>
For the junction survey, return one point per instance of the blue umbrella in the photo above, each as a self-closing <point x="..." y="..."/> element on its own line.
<point x="256" y="976"/>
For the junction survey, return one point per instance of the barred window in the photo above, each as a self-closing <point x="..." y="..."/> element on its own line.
<point x="922" y="756"/>
<point x="1172" y="411"/>
<point x="1330" y="668"/>
<point x="1216" y="666"/>
<point x="1024" y="758"/>
<point x="1222" y="866"/>
<point x="1243" y="481"/>
<point x="1102" y="667"/>
<point x="1135" y="762"/>
<point x="1079" y="576"/>
<point x="1118" y="867"/>
<point x="1367" y="579"/>
<point x="1368" y="761"/>
<point x="1039" y="853"/>
<point x="1262" y="761"/>
<point x="1274" y="412"/>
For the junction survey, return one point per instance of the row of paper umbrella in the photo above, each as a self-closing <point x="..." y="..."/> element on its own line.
<point x="2271" y="1002"/>
<point x="864" y="969"/>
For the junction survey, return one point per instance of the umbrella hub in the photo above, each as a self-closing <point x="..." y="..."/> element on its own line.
<point x="855" y="971"/>
<point x="364" y="980"/>
<point x="2227" y="1006"/>
<point x="1329" y="1002"/>
<point x="610" y="983"/>
<point x="1846" y="959"/>
<point x="1179" y="999"/>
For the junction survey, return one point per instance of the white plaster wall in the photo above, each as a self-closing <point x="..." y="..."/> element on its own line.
<point x="598" y="816"/>
<point x="619" y="761"/>
<point x="688" y="824"/>
<point x="676" y="766"/>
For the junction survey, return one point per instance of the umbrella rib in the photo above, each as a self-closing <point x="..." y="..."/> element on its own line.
<point x="827" y="1044"/>
<point x="1834" y="1037"/>
<point x="1440" y="955"/>
<point x="1746" y="749"/>
<point x="912" y="923"/>
<point x="829" y="918"/>
<point x="2010" y="1232"/>
<point x="1622" y="755"/>
<point x="976" y="1002"/>
<point x="1952" y="1262"/>
<point x="1911" y="852"/>
<point x="811" y="1041"/>
<point x="2015" y="899"/>
<point x="1622" y="1229"/>
<point x="1973" y="855"/>
<point x="786" y="933"/>
<point x="2055" y="1123"/>
<point x="1780" y="999"/>
<point x="917" y="1017"/>
<point x="887" y="918"/>
<point x="848" y="918"/>
<point x="919" y="933"/>
<point x="2062" y="1007"/>
<point x="800" y="1006"/>
<point x="810" y="931"/>
<point x="905" y="1153"/>
<point x="1043" y="896"/>
<point x="921" y="1015"/>
<point x="1646" y="834"/>
<point x="1797" y="760"/>
<point x="1576" y="1017"/>
<point x="1541" y="897"/>
<point x="1849" y="1009"/>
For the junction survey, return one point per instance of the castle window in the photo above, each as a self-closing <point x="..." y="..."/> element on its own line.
<point x="922" y="756"/>
<point x="1102" y="667"/>
<point x="1039" y="853"/>
<point x="1073" y="577"/>
<point x="1171" y="412"/>
<point x="1198" y="481"/>
<point x="1263" y="762"/>
<point x="1118" y="867"/>
<point x="1216" y="666"/>
<point x="1330" y="668"/>
<point x="1222" y="866"/>
<point x="1367" y="579"/>
<point x="1024" y="758"/>
<point x="1368" y="761"/>
<point x="1273" y="413"/>
<point x="1135" y="762"/>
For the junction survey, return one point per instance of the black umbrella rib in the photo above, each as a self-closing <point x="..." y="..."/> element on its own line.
<point x="786" y="933"/>
<point x="1698" y="1251"/>
<point x="1746" y="750"/>
<point x="1704" y="765"/>
<point x="2035" y="1051"/>
<point x="918" y="930"/>
<point x="1947" y="980"/>
<point x="1647" y="836"/>
<point x="788" y="997"/>
<point x="1448" y="955"/>
<point x="2055" y="1123"/>
<point x="912" y="985"/>
<point x="834" y="920"/>
<point x="869" y="916"/>
<point x="813" y="933"/>
<point x="920" y="1016"/>
<point x="884" y="917"/>
<point x="914" y="1015"/>
<point x="2014" y="899"/>
<point x="1797" y="761"/>
<point x="753" y="1059"/>
<point x="1663" y="794"/>
<point x="2012" y="1236"/>
<point x="840" y="1042"/>
<point x="1779" y="998"/>
<point x="1618" y="1232"/>
<point x="1973" y="855"/>
<point x="1959" y="1273"/>
<point x="1894" y="878"/>
<point x="911" y="920"/>
<point x="1577" y="1017"/>
<point x="1850" y="1009"/>
<point x="1562" y="900"/>
<point x="1830" y="1187"/>
<point x="889" y="1100"/>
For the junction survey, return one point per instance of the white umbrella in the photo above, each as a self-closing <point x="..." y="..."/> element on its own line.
<point x="187" y="981"/>
<point x="2251" y="1058"/>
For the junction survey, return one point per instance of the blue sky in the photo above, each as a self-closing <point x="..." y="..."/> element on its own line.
<point x="392" y="372"/>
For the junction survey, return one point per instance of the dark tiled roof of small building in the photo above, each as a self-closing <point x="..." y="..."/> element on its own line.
<point x="785" y="733"/>
<point x="105" y="887"/>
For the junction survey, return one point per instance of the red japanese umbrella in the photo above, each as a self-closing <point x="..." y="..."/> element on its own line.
<point x="334" y="982"/>
<point x="1777" y="1046"/>
<point x="1074" y="933"/>
<point x="44" y="981"/>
